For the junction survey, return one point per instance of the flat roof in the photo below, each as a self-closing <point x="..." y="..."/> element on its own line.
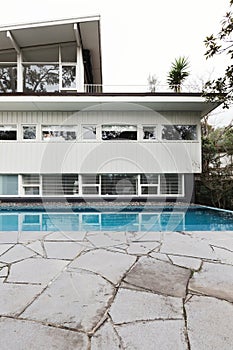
<point x="55" y="32"/>
<point x="107" y="101"/>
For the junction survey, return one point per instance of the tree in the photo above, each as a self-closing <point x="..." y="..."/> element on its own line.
<point x="178" y="73"/>
<point x="221" y="89"/>
<point x="215" y="185"/>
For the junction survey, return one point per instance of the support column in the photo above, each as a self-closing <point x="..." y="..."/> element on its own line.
<point x="19" y="61"/>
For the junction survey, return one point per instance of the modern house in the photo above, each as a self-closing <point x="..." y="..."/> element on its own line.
<point x="63" y="135"/>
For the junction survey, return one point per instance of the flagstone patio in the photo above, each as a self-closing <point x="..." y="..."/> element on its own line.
<point x="116" y="290"/>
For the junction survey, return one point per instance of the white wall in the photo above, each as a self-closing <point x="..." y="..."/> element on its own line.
<point x="37" y="156"/>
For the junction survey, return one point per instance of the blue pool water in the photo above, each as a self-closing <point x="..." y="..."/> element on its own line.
<point x="165" y="219"/>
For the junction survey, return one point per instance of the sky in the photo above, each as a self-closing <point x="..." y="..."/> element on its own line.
<point x="140" y="38"/>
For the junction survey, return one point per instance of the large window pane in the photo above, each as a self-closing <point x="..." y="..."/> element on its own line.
<point x="179" y="132"/>
<point x="118" y="184"/>
<point x="8" y="132"/>
<point x="59" y="132"/>
<point x="41" y="78"/>
<point x="8" y="184"/>
<point x="119" y="132"/>
<point x="8" y="78"/>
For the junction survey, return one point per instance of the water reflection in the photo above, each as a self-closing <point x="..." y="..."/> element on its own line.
<point x="193" y="220"/>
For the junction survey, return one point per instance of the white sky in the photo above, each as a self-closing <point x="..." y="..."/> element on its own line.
<point x="139" y="37"/>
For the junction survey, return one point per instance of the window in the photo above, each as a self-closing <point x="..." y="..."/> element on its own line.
<point x="171" y="184"/>
<point x="8" y="132"/>
<point x="31" y="184"/>
<point x="8" y="76"/>
<point x="179" y="132"/>
<point x="29" y="132"/>
<point x="149" y="184"/>
<point x="41" y="78"/>
<point x="89" y="132"/>
<point x="9" y="185"/>
<point x="119" y="132"/>
<point x="60" y="184"/>
<point x="118" y="184"/>
<point x="68" y="77"/>
<point x="59" y="133"/>
<point x="149" y="132"/>
<point x="90" y="184"/>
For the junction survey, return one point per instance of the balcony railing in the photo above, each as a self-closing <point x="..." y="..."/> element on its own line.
<point x="98" y="88"/>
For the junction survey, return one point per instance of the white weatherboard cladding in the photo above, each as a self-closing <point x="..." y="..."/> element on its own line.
<point x="100" y="156"/>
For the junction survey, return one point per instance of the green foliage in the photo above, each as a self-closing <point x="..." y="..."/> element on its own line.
<point x="178" y="73"/>
<point x="215" y="185"/>
<point x="221" y="89"/>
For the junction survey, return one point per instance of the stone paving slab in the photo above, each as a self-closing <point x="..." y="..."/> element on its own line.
<point x="15" y="297"/>
<point x="17" y="253"/>
<point x="27" y="335"/>
<point x="159" y="276"/>
<point x="4" y="248"/>
<point x="37" y="248"/>
<point x="77" y="300"/>
<point x="189" y="263"/>
<point x="106" y="239"/>
<point x="35" y="271"/>
<point x="210" y="323"/>
<point x="63" y="250"/>
<point x="108" y="264"/>
<point x="8" y="237"/>
<point x="184" y="245"/>
<point x="151" y="335"/>
<point x="106" y="338"/>
<point x="214" y="280"/>
<point x="66" y="236"/>
<point x="131" y="306"/>
<point x="109" y="290"/>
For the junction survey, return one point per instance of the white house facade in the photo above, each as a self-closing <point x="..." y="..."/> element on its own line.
<point x="62" y="135"/>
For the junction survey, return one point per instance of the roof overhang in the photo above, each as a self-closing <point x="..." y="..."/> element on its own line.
<point x="55" y="32"/>
<point x="105" y="101"/>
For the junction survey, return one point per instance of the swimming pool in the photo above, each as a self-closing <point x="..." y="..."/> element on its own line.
<point x="135" y="219"/>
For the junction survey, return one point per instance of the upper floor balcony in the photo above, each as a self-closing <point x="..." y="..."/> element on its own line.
<point x="50" y="56"/>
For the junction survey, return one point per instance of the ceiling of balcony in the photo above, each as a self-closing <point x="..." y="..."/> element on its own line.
<point x="55" y="32"/>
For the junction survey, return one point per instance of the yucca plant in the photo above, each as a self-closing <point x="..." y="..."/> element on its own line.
<point x="178" y="73"/>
